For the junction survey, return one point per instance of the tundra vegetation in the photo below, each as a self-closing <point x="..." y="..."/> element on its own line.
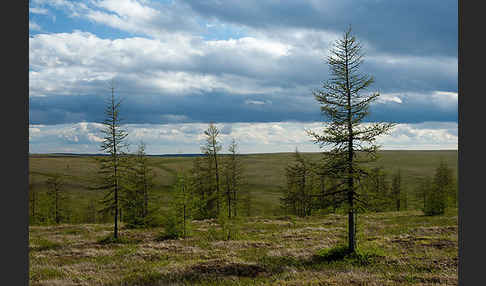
<point x="273" y="246"/>
<point x="225" y="218"/>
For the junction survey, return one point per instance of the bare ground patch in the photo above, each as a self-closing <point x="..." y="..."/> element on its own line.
<point x="412" y="241"/>
<point x="228" y="268"/>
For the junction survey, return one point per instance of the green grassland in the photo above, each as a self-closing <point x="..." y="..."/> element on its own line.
<point x="396" y="248"/>
<point x="264" y="174"/>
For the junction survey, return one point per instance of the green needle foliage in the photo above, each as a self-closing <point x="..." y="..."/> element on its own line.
<point x="179" y="217"/>
<point x="111" y="166"/>
<point x="299" y="195"/>
<point x="309" y="188"/>
<point x="377" y="192"/>
<point x="137" y="185"/>
<point x="233" y="170"/>
<point x="346" y="104"/>
<point x="442" y="190"/>
<point x="211" y="177"/>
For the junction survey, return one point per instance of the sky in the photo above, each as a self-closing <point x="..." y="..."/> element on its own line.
<point x="248" y="66"/>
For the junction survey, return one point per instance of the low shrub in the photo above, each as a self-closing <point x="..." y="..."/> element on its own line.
<point x="362" y="256"/>
<point x="111" y="239"/>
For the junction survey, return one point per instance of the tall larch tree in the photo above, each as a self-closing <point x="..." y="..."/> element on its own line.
<point x="233" y="175"/>
<point x="345" y="102"/>
<point x="113" y="144"/>
<point x="211" y="149"/>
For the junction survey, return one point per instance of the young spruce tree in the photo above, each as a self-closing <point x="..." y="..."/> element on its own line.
<point x="345" y="103"/>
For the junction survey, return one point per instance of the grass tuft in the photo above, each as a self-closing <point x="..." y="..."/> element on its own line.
<point x="112" y="240"/>
<point x="44" y="244"/>
<point x="361" y="257"/>
<point x="163" y="236"/>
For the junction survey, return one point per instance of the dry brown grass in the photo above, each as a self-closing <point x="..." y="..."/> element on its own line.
<point x="418" y="250"/>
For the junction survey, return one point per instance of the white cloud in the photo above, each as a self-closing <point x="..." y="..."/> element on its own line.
<point x="254" y="102"/>
<point x="439" y="99"/>
<point x="36" y="10"/>
<point x="251" y="45"/>
<point x="251" y="137"/>
<point x="428" y="135"/>
<point x="66" y="63"/>
<point x="149" y="18"/>
<point x="128" y="8"/>
<point x="389" y="97"/>
<point x="444" y="99"/>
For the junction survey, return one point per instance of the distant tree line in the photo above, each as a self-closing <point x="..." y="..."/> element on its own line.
<point x="311" y="189"/>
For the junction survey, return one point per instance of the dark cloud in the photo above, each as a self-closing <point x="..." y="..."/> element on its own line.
<point x="405" y="27"/>
<point x="219" y="107"/>
<point x="410" y="113"/>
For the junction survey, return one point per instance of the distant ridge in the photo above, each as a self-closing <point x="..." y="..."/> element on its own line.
<point x="100" y="154"/>
<point x="53" y="155"/>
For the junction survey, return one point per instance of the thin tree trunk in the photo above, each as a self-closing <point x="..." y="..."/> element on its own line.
<point x="56" y="206"/>
<point x="235" y="202"/>
<point x="184" y="220"/>
<point x="115" y="231"/>
<point x="233" y="182"/>
<point x="424" y="197"/>
<point x="351" y="225"/>
<point x="228" y="194"/>
<point x="145" y="194"/>
<point x="398" y="199"/>
<point x="217" y="175"/>
<point x="33" y="206"/>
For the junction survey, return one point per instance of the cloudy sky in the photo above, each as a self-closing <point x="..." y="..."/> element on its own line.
<point x="250" y="66"/>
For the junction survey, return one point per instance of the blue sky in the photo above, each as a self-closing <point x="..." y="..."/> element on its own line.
<point x="246" y="65"/>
